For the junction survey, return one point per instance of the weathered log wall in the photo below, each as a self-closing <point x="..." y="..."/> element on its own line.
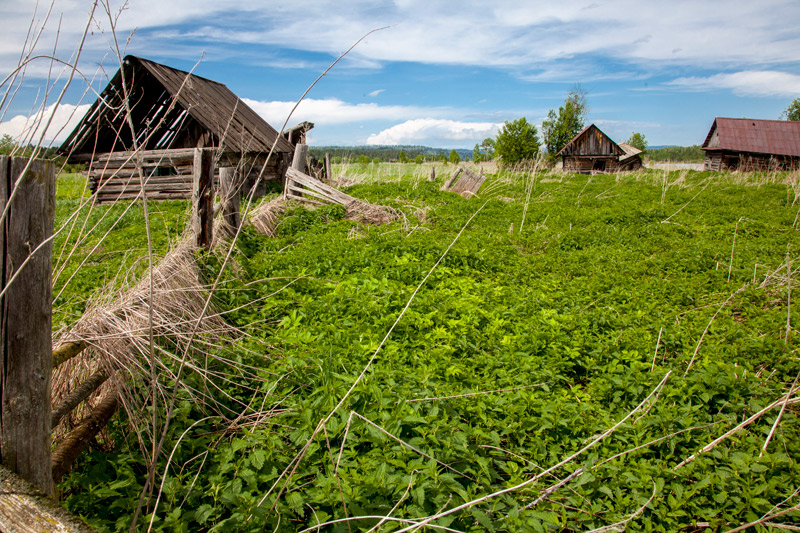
<point x="167" y="174"/>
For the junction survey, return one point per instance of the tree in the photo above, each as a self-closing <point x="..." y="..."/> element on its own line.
<point x="403" y="158"/>
<point x="517" y="141"/>
<point x="637" y="140"/>
<point x="419" y="159"/>
<point x="559" y="128"/>
<point x="793" y="111"/>
<point x="454" y="157"/>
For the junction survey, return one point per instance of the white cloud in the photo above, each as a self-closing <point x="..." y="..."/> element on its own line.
<point x="375" y="93"/>
<point x="334" y="111"/>
<point x="435" y="132"/>
<point x="749" y="83"/>
<point x="529" y="37"/>
<point x="29" y="129"/>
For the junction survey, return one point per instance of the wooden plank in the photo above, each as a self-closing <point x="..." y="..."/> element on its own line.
<point x="27" y="350"/>
<point x="203" y="198"/>
<point x="302" y="192"/>
<point x="452" y="179"/>
<point x="308" y="181"/>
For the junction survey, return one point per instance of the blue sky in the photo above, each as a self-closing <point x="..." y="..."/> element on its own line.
<point x="444" y="74"/>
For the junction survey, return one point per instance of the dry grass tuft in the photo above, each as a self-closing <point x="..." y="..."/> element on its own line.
<point x="265" y="217"/>
<point x="366" y="213"/>
<point x="117" y="329"/>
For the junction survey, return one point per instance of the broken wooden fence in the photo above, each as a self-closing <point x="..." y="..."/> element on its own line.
<point x="464" y="182"/>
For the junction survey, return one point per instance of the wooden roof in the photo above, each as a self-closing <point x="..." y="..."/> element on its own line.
<point x="170" y="108"/>
<point x="778" y="137"/>
<point x="590" y="141"/>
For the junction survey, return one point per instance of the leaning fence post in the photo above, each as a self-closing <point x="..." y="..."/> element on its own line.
<point x="230" y="196"/>
<point x="26" y="349"/>
<point x="203" y="197"/>
<point x="328" y="169"/>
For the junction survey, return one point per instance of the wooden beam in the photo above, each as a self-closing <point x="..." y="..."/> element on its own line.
<point x="26" y="347"/>
<point x="328" y="169"/>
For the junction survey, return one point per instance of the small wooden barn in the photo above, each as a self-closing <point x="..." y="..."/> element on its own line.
<point x="592" y="151"/>
<point x="148" y="121"/>
<point x="747" y="144"/>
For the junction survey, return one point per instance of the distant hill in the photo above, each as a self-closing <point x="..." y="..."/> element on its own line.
<point x="386" y="153"/>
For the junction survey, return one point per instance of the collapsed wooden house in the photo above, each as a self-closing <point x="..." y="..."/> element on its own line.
<point x="747" y="144"/>
<point x="147" y="123"/>
<point x="592" y="151"/>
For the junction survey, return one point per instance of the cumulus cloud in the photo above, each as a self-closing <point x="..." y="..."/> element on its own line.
<point x="29" y="129"/>
<point x="333" y="111"/>
<point x="746" y="83"/>
<point x="435" y="132"/>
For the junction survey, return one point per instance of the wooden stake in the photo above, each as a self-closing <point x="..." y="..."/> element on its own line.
<point x="26" y="349"/>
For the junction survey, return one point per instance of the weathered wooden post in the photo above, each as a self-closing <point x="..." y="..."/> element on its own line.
<point x="203" y="197"/>
<point x="328" y="170"/>
<point x="26" y="349"/>
<point x="432" y="177"/>
<point x="300" y="154"/>
<point x="230" y="196"/>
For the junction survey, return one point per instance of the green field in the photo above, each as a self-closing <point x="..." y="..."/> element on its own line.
<point x="468" y="348"/>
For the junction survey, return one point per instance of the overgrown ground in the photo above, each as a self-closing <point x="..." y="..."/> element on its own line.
<point x="545" y="324"/>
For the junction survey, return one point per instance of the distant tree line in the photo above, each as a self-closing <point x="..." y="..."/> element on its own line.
<point x="678" y="154"/>
<point x="402" y="154"/>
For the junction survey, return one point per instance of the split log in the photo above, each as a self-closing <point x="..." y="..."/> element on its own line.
<point x="79" y="394"/>
<point x="67" y="351"/>
<point x="80" y="437"/>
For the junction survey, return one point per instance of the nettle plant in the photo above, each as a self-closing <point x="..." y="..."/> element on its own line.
<point x="623" y="358"/>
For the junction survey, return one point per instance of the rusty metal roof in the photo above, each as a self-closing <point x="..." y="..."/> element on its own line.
<point x="167" y="106"/>
<point x="778" y="137"/>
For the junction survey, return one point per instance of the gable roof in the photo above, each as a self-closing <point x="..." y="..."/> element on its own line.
<point x="166" y="104"/>
<point x="779" y="137"/>
<point x="591" y="141"/>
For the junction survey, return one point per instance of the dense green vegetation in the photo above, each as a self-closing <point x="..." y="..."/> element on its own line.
<point x="545" y="324"/>
<point x="97" y="248"/>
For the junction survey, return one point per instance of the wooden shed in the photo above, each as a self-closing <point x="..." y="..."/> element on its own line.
<point x="171" y="113"/>
<point x="748" y="144"/>
<point x="592" y="151"/>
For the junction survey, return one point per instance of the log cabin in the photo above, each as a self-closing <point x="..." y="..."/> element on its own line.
<point x="147" y="122"/>
<point x="746" y="144"/>
<point x="592" y="151"/>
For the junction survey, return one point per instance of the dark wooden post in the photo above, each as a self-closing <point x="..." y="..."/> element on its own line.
<point x="203" y="197"/>
<point x="230" y="196"/>
<point x="432" y="177"/>
<point x="328" y="169"/>
<point x="26" y="347"/>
